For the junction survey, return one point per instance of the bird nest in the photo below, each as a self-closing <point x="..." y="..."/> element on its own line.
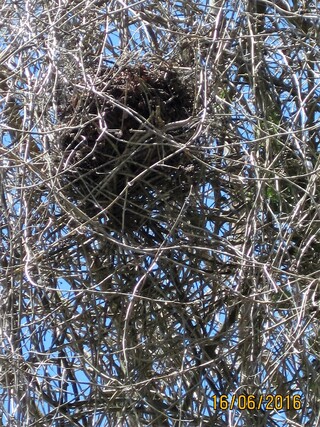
<point x="128" y="149"/>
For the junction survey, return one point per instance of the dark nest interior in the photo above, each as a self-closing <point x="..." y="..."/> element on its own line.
<point x="130" y="152"/>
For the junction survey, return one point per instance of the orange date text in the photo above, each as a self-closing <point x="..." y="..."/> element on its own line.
<point x="268" y="402"/>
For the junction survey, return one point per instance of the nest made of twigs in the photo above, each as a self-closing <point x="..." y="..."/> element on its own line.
<point x="126" y="152"/>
